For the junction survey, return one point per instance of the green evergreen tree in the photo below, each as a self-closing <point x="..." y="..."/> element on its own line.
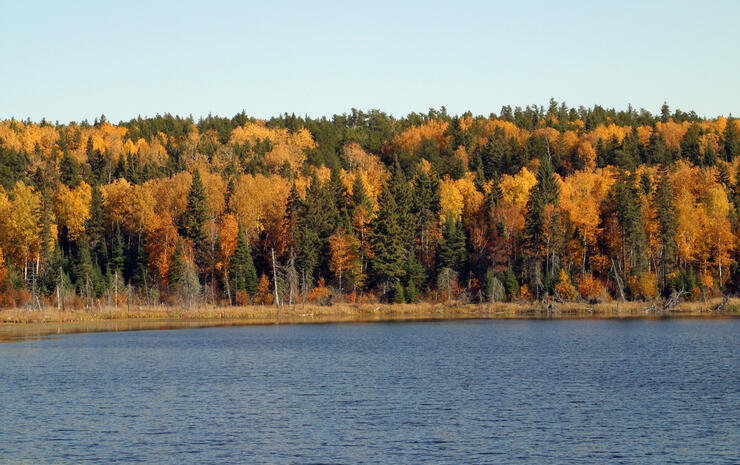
<point x="243" y="270"/>
<point x="177" y="268"/>
<point x="690" y="144"/>
<point x="657" y="151"/>
<point x="665" y="211"/>
<point x="359" y="195"/>
<point x="415" y="276"/>
<point x="83" y="267"/>
<point x="425" y="209"/>
<point x="69" y="171"/>
<point x="511" y="284"/>
<point x="537" y="224"/>
<point x="341" y="197"/>
<point x="732" y="140"/>
<point x="402" y="195"/>
<point x="452" y="253"/>
<point x="196" y="213"/>
<point x="629" y="216"/>
<point x="95" y="228"/>
<point x="118" y="253"/>
<point x="387" y="241"/>
<point x="710" y="156"/>
<point x="399" y="296"/>
<point x="646" y="184"/>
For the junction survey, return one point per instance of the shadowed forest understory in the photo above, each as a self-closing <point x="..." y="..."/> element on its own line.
<point x="542" y="204"/>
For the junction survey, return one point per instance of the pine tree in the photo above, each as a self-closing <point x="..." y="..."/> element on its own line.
<point x="665" y="211"/>
<point x="196" y="213"/>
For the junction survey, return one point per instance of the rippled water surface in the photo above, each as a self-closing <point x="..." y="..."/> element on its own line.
<point x="530" y="392"/>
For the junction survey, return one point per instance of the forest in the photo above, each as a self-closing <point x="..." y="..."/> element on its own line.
<point x="535" y="203"/>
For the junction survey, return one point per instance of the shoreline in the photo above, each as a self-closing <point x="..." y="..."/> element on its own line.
<point x="23" y="324"/>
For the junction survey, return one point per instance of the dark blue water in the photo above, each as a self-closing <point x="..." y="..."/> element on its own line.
<point x="530" y="392"/>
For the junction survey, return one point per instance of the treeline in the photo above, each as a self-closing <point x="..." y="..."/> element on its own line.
<point x="588" y="203"/>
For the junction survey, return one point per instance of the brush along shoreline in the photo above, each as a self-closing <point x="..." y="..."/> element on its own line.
<point x="376" y="312"/>
<point x="23" y="324"/>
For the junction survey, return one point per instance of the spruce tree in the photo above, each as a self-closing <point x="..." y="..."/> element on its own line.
<point x="69" y="171"/>
<point x="293" y="209"/>
<point x="341" y="196"/>
<point x="359" y="194"/>
<point x="196" y="213"/>
<point x="177" y="268"/>
<point x="95" y="228"/>
<point x="425" y="209"/>
<point x="402" y="196"/>
<point x="83" y="267"/>
<point x="657" y="151"/>
<point x="690" y="145"/>
<point x="629" y="216"/>
<point x="452" y="253"/>
<point x="118" y="253"/>
<point x="387" y="240"/>
<point x="243" y="270"/>
<point x="537" y="225"/>
<point x="665" y="211"/>
<point x="732" y="140"/>
<point x="710" y="156"/>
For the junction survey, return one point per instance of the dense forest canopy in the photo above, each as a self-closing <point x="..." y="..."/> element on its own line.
<point x="533" y="203"/>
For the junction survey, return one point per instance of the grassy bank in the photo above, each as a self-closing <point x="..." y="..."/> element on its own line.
<point x="371" y="312"/>
<point x="21" y="324"/>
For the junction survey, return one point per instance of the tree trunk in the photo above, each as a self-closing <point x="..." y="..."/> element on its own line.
<point x="274" y="277"/>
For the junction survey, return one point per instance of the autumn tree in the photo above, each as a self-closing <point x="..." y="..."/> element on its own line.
<point x="344" y="257"/>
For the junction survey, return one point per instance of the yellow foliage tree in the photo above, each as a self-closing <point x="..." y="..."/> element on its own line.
<point x="72" y="208"/>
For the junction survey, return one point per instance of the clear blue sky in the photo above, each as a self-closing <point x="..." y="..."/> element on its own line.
<point x="76" y="60"/>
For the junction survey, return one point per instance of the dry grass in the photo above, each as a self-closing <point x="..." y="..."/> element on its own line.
<point x="369" y="312"/>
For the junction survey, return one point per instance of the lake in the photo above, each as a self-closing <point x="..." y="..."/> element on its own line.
<point x="488" y="391"/>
